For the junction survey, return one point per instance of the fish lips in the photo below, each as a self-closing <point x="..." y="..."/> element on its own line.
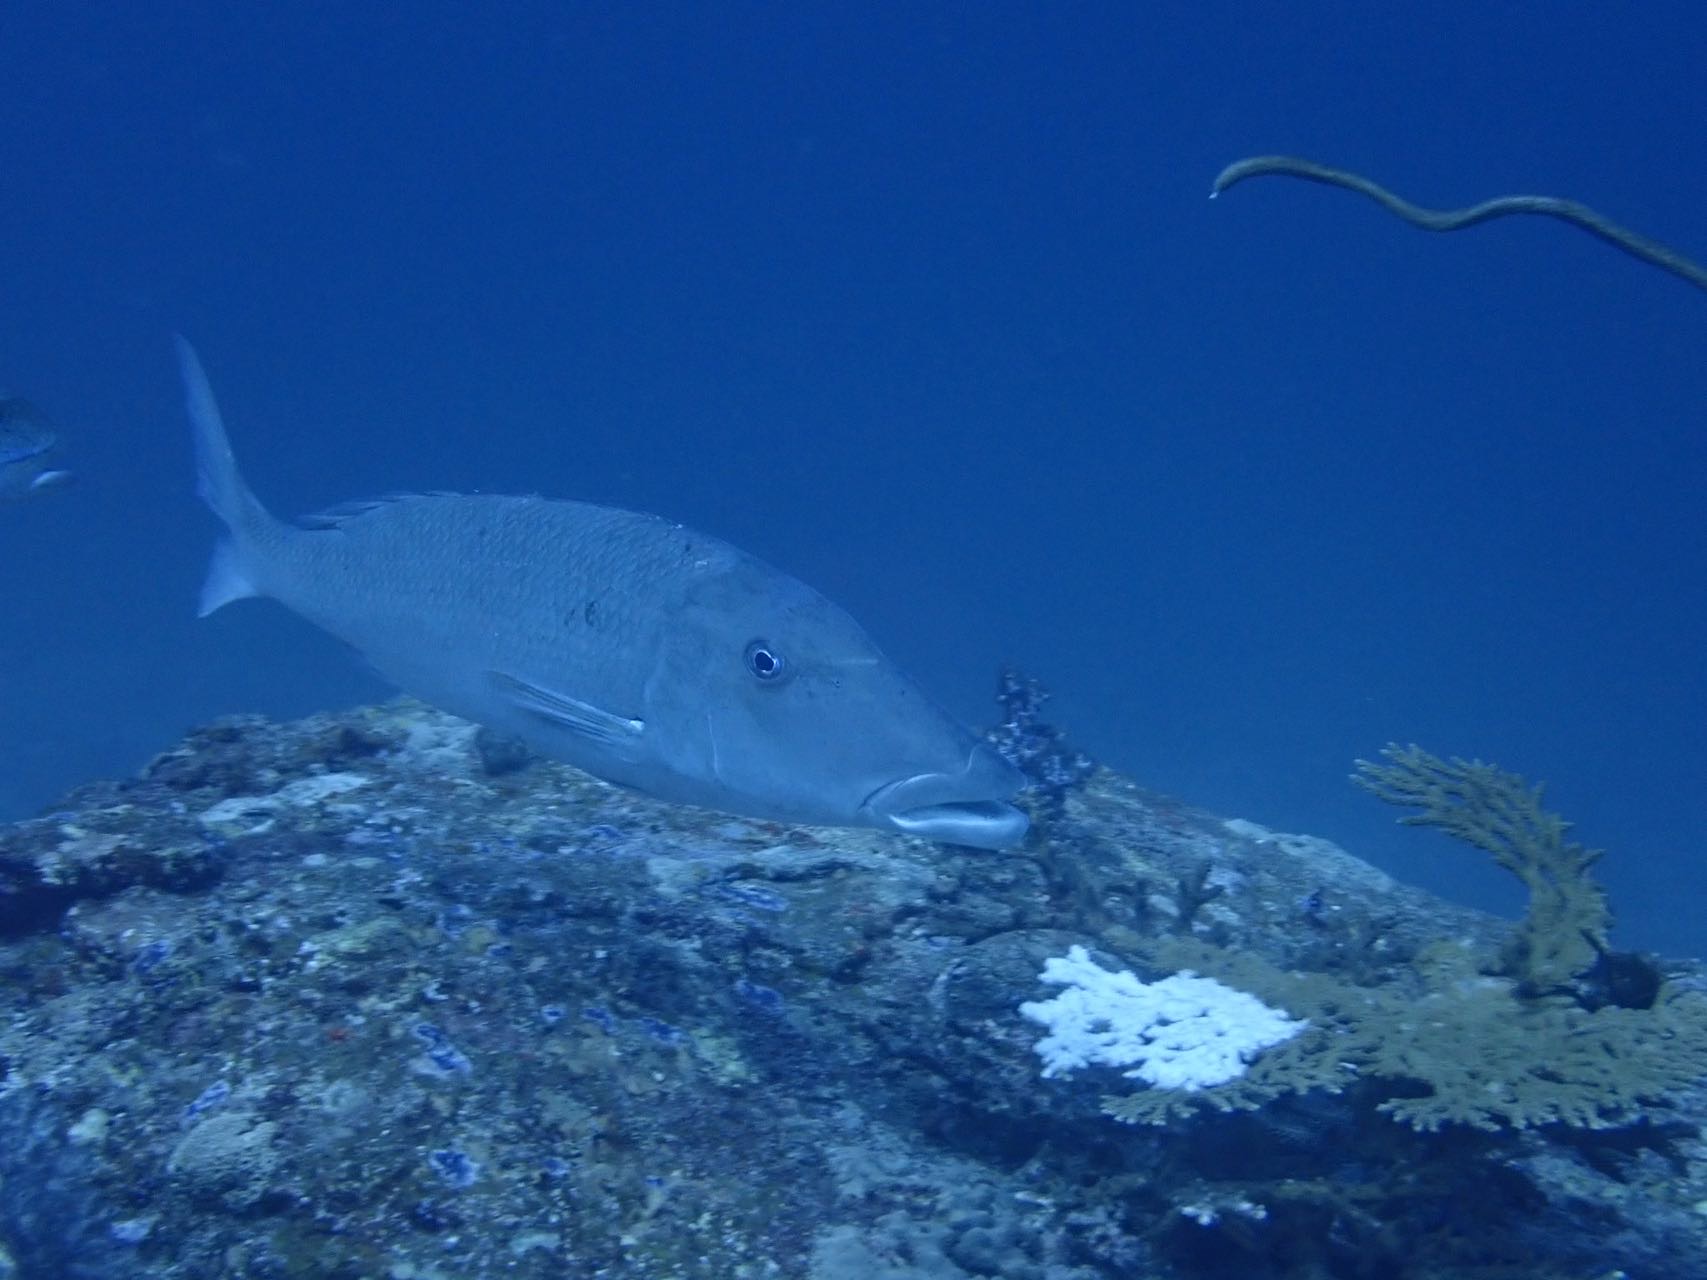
<point x="966" y="807"/>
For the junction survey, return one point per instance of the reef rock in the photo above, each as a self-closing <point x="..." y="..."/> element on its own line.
<point x="368" y="995"/>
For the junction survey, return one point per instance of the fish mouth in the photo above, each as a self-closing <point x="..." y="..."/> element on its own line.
<point x="966" y="807"/>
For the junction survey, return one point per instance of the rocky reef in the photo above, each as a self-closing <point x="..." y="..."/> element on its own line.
<point x="371" y="995"/>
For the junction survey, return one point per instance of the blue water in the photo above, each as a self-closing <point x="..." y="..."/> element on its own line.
<point x="928" y="307"/>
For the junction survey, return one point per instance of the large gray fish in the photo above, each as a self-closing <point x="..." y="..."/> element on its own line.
<point x="25" y="441"/>
<point x="640" y="651"/>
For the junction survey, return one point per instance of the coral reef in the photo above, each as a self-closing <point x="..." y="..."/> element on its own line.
<point x="1490" y="1040"/>
<point x="358" y="996"/>
<point x="1450" y="1046"/>
<point x="55" y="1219"/>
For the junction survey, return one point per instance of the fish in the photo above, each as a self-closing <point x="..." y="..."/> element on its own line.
<point x="26" y="438"/>
<point x="638" y="650"/>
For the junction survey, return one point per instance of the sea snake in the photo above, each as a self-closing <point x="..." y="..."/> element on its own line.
<point x="1638" y="246"/>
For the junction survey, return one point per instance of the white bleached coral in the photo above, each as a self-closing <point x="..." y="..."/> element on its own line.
<point x="1181" y="1032"/>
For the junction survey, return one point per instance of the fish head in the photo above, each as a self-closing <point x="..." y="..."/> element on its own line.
<point x="776" y="701"/>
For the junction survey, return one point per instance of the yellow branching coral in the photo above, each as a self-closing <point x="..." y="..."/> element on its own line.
<point x="1450" y="1043"/>
<point x="1564" y="931"/>
<point x="1461" y="1050"/>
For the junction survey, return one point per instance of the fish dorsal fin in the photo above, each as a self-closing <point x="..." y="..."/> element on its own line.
<point x="618" y="734"/>
<point x="343" y="513"/>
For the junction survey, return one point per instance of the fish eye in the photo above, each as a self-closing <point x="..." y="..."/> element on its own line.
<point x="764" y="661"/>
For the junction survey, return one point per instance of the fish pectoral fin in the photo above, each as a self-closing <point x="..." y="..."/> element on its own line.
<point x="616" y="733"/>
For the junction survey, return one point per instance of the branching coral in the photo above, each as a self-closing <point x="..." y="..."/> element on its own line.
<point x="1466" y="1050"/>
<point x="1564" y="931"/>
<point x="1455" y="1044"/>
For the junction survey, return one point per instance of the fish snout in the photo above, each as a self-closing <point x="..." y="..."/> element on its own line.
<point x="966" y="806"/>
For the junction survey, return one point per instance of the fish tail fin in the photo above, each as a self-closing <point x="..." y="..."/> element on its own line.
<point x="227" y="579"/>
<point x="231" y="576"/>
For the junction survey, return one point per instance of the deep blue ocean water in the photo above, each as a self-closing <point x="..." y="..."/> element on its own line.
<point x="927" y="306"/>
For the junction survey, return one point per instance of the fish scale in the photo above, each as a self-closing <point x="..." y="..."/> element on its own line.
<point x="466" y="573"/>
<point x="639" y="650"/>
